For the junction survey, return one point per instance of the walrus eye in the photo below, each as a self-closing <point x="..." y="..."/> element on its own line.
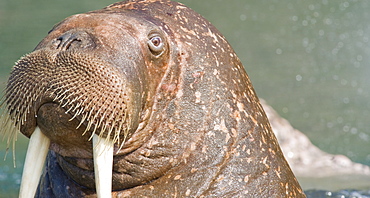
<point x="156" y="44"/>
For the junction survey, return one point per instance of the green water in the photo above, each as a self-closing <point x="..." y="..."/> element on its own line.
<point x="308" y="58"/>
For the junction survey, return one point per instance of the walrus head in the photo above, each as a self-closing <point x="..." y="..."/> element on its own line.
<point x="163" y="96"/>
<point x="88" y="76"/>
<point x="93" y="70"/>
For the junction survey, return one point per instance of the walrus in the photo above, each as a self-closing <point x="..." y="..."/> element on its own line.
<point x="143" y="98"/>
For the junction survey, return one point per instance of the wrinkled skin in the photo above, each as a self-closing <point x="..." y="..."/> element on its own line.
<point x="191" y="121"/>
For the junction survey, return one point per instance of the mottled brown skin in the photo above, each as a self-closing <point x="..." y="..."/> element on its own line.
<point x="195" y="128"/>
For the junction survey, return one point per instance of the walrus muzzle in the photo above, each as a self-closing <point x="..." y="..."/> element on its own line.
<point x="66" y="91"/>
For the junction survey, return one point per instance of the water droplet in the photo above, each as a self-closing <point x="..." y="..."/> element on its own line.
<point x="346" y="128"/>
<point x="243" y="17"/>
<point x="354" y="130"/>
<point x="311" y="7"/>
<point x="279" y="51"/>
<point x="364" y="136"/>
<point x="298" y="77"/>
<point x="285" y="110"/>
<point x="328" y="21"/>
<point x="359" y="58"/>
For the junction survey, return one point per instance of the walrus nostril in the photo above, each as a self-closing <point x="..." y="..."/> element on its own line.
<point x="75" y="39"/>
<point x="68" y="40"/>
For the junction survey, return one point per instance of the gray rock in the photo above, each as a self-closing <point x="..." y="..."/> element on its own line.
<point x="314" y="168"/>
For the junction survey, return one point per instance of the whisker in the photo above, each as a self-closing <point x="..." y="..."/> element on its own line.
<point x="89" y="121"/>
<point x="82" y="121"/>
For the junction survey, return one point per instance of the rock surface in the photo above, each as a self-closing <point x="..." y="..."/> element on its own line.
<point x="314" y="168"/>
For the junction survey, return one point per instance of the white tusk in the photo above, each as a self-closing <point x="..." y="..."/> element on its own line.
<point x="103" y="164"/>
<point x="38" y="148"/>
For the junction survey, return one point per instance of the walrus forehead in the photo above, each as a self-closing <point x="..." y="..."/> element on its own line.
<point x="110" y="29"/>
